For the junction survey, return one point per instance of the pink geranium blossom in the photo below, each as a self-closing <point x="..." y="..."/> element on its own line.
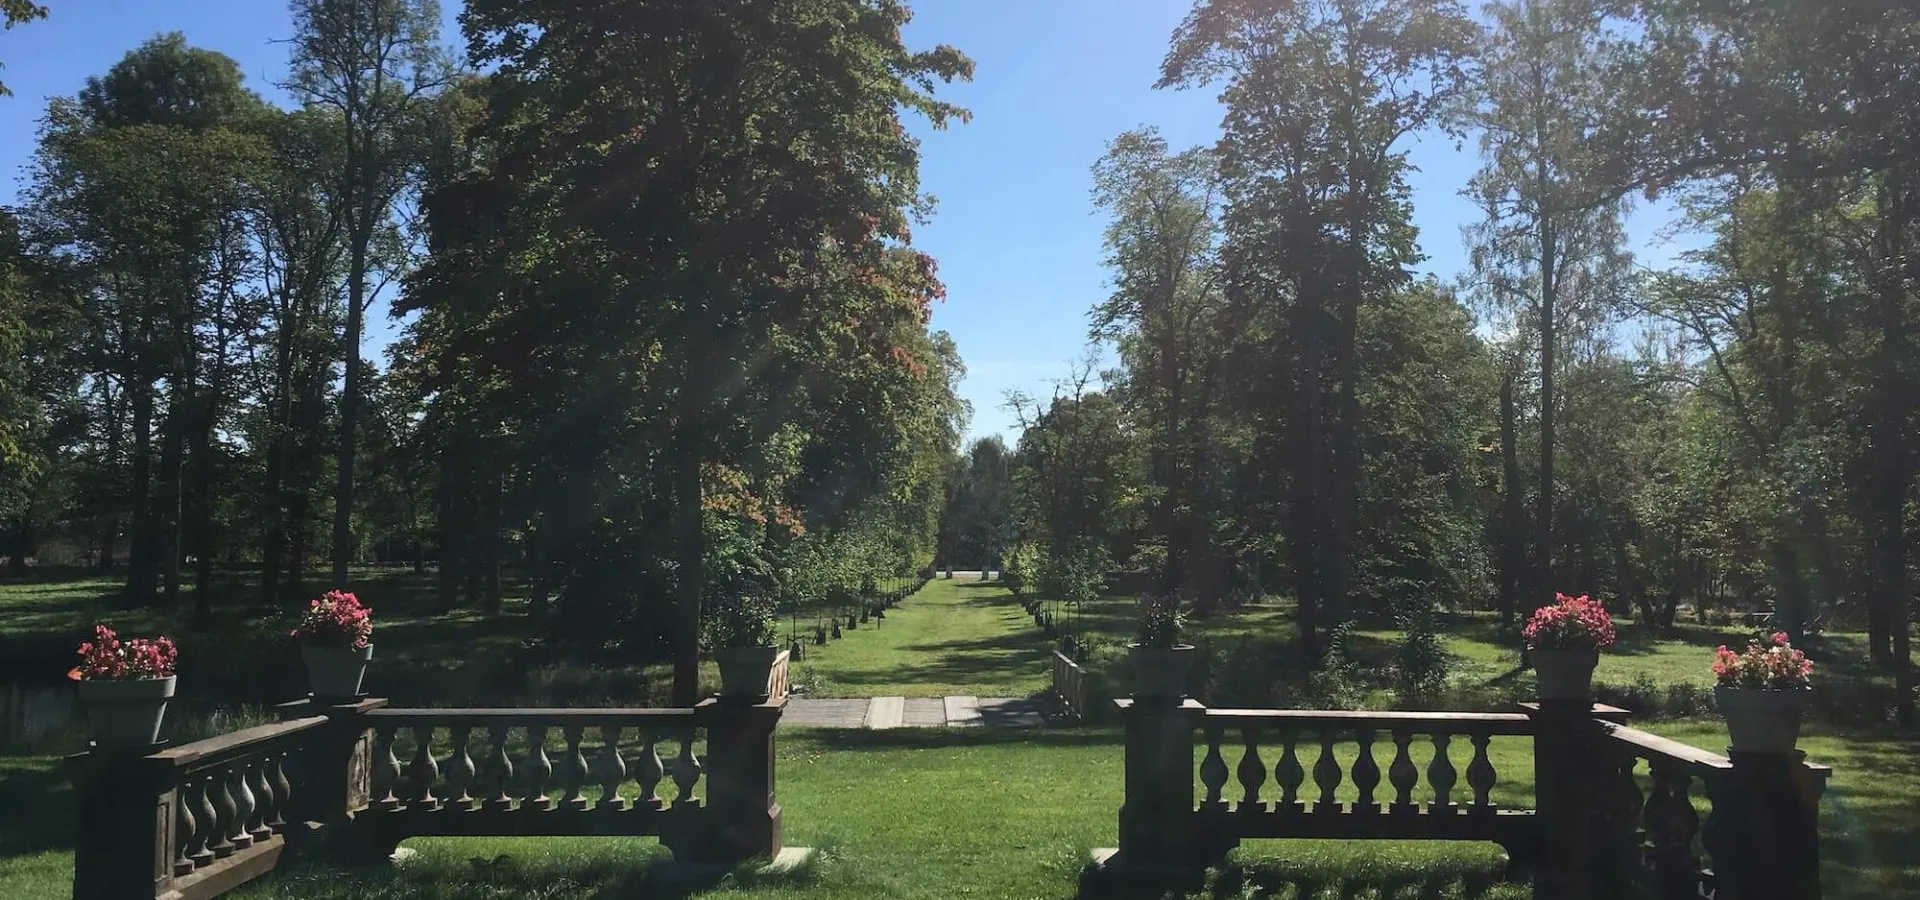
<point x="336" y="619"/>
<point x="108" y="658"/>
<point x="1571" y="623"/>
<point x="1767" y="664"/>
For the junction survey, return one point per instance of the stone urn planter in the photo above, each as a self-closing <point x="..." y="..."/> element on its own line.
<point x="335" y="673"/>
<point x="1565" y="674"/>
<point x="1160" y="673"/>
<point x="744" y="671"/>
<point x="126" y="712"/>
<point x="1762" y="721"/>
<point x="820" y="635"/>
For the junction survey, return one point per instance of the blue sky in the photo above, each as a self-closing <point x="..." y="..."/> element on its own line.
<point x="1014" y="231"/>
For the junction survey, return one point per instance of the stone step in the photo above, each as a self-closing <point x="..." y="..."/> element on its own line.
<point x="886" y="712"/>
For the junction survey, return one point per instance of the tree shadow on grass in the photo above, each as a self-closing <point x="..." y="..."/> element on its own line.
<point x="37" y="800"/>
<point x="591" y="869"/>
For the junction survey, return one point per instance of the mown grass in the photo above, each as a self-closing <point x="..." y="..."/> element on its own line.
<point x="938" y="813"/>
<point x="952" y="637"/>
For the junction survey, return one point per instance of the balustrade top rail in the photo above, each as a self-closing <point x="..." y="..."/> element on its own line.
<point x="217" y="750"/>
<point x="1653" y="746"/>
<point x="1351" y="720"/>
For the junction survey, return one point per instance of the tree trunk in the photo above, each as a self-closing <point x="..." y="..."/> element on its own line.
<point x="203" y="533"/>
<point x="450" y="535"/>
<point x="690" y="553"/>
<point x="172" y="484"/>
<point x="343" y="546"/>
<point x="1307" y="481"/>
<point x="1512" y="552"/>
<point x="143" y="555"/>
<point x="491" y="543"/>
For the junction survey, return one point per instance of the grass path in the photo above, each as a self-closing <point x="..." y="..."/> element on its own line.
<point x="952" y="637"/>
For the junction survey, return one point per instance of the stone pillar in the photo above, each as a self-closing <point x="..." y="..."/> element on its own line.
<point x="742" y="809"/>
<point x="1157" y="823"/>
<point x="124" y="840"/>
<point x="1571" y="777"/>
<point x="1770" y="847"/>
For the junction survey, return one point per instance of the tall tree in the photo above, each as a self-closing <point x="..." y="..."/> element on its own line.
<point x="1318" y="96"/>
<point x="379" y="64"/>
<point x="1549" y="253"/>
<point x="1164" y="314"/>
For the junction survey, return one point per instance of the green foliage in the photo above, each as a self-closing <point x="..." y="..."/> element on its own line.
<point x="739" y="619"/>
<point x="1161" y="621"/>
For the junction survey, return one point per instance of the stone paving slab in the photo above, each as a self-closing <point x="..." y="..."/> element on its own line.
<point x="962" y="712"/>
<point x="886" y="712"/>
<point x="916" y="712"/>
<point x="825" y="713"/>
<point x="925" y="712"/>
<point x="1007" y="712"/>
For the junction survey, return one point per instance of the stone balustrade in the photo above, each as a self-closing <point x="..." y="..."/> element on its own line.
<point x="1589" y="830"/>
<point x="195" y="821"/>
<point x="1070" y="684"/>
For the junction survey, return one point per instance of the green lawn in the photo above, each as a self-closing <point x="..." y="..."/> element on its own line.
<point x="951" y="637"/>
<point x="936" y="813"/>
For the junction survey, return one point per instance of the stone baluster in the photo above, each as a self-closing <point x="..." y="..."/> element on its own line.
<point x="1326" y="774"/>
<point x="539" y="769"/>
<point x="613" y="769"/>
<point x="1252" y="771"/>
<point x="576" y="769"/>
<point x="460" y="769"/>
<point x="386" y="769"/>
<point x="222" y="818"/>
<point x="1213" y="769"/>
<point x="242" y="806"/>
<point x="282" y="790"/>
<point x="1480" y="773"/>
<point x="183" y="861"/>
<point x="424" y="771"/>
<point x="206" y="822"/>
<point x="1671" y="827"/>
<point x="686" y="771"/>
<point x="1366" y="774"/>
<point x="652" y="770"/>
<point x="1288" y="774"/>
<point x="1441" y="774"/>
<point x="264" y="802"/>
<point x="1402" y="773"/>
<point x="501" y="765"/>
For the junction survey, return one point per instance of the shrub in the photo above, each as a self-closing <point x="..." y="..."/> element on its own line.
<point x="1420" y="664"/>
<point x="744" y="619"/>
<point x="1160" y="621"/>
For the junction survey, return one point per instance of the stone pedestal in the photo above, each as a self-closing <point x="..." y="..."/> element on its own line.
<point x="1570" y="771"/>
<point x="742" y="806"/>
<point x="124" y="841"/>
<point x="1157" y="823"/>
<point x="1770" y="846"/>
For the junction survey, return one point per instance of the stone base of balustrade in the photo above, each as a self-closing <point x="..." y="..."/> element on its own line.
<point x="1107" y="867"/>
<point x="786" y="862"/>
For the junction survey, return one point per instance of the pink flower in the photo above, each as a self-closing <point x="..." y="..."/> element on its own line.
<point x="1571" y="623"/>
<point x="106" y="657"/>
<point x="1768" y="663"/>
<point x="335" y="619"/>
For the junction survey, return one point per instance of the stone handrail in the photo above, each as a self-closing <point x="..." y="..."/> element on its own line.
<point x="779" y="683"/>
<point x="1070" y="683"/>
<point x="206" y="817"/>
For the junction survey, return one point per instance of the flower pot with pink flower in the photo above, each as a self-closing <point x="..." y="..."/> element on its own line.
<point x="1564" y="641"/>
<point x="1762" y="692"/>
<point x="333" y="635"/>
<point x="124" y="686"/>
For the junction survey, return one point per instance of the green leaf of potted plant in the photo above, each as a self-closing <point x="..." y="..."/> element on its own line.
<point x="1762" y="692"/>
<point x="1160" y="658"/>
<point x="124" y="686"/>
<point x="1564" y="643"/>
<point x="740" y="630"/>
<point x="333" y="635"/>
